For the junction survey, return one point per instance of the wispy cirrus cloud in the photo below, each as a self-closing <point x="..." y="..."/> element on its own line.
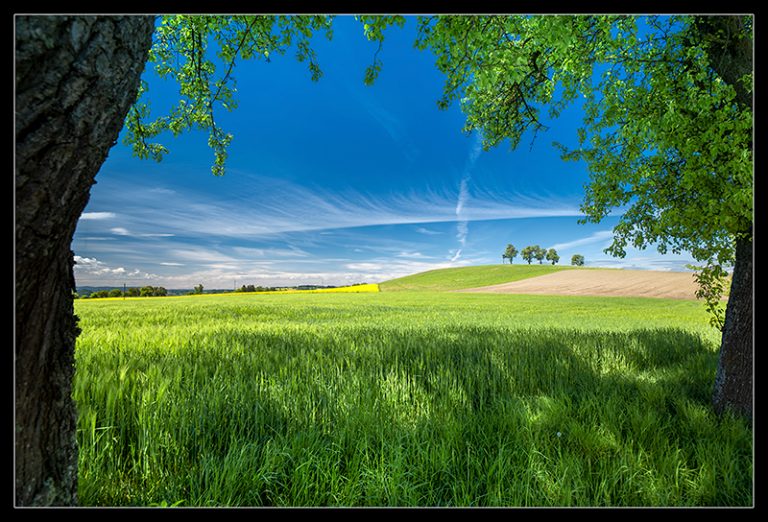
<point x="270" y="231"/>
<point x="601" y="236"/>
<point x="427" y="231"/>
<point x="290" y="208"/>
<point x="413" y="255"/>
<point x="271" y="252"/>
<point x="122" y="231"/>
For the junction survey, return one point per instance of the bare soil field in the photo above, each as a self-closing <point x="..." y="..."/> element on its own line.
<point x="627" y="283"/>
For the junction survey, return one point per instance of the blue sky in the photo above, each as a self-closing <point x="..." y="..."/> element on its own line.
<point x="334" y="182"/>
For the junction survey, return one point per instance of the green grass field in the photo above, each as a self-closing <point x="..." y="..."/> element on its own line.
<point x="445" y="279"/>
<point x="403" y="399"/>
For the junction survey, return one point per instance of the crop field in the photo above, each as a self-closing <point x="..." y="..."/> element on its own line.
<point x="403" y="399"/>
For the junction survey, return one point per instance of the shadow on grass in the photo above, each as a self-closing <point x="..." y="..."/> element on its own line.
<point x="460" y="415"/>
<point x="475" y="365"/>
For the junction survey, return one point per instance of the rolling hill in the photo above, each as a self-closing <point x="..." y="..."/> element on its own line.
<point x="448" y="279"/>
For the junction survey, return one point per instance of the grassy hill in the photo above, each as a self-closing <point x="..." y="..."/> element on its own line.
<point x="446" y="279"/>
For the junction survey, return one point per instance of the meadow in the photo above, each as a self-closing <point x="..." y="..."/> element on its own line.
<point x="403" y="399"/>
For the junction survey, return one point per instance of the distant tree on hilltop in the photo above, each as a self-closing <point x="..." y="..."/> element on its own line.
<point x="552" y="256"/>
<point x="577" y="260"/>
<point x="509" y="253"/>
<point x="528" y="253"/>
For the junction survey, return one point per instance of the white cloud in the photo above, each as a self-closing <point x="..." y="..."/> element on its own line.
<point x="271" y="252"/>
<point x="366" y="266"/>
<point x="462" y="229"/>
<point x="666" y="263"/>
<point x="463" y="195"/>
<point x="161" y="190"/>
<point x="412" y="255"/>
<point x="597" y="237"/>
<point x="86" y="261"/>
<point x="91" y="271"/>
<point x="95" y="216"/>
<point x="293" y="208"/>
<point x="202" y="255"/>
<point x="206" y="225"/>
<point x="121" y="231"/>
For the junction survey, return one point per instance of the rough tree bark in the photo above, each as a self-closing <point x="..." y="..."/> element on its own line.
<point x="76" y="78"/>
<point x="733" y="380"/>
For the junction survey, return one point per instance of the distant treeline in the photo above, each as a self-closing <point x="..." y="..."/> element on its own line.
<point x="251" y="288"/>
<point x="159" y="291"/>
<point x="144" y="291"/>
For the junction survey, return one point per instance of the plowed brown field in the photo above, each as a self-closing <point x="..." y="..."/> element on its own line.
<point x="628" y="283"/>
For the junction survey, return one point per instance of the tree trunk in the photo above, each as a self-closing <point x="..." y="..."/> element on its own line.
<point x="730" y="50"/>
<point x="76" y="78"/>
<point x="733" y="380"/>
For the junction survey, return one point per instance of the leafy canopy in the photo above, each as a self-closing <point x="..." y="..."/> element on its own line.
<point x="531" y="252"/>
<point x="552" y="256"/>
<point x="664" y="137"/>
<point x="509" y="253"/>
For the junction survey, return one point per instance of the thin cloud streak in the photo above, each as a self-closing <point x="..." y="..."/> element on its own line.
<point x="97" y="216"/>
<point x="644" y="263"/>
<point x="463" y="196"/>
<point x="462" y="226"/>
<point x="293" y="208"/>
<point x="597" y="237"/>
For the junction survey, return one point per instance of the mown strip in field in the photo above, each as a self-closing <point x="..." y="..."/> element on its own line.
<point x="406" y="399"/>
